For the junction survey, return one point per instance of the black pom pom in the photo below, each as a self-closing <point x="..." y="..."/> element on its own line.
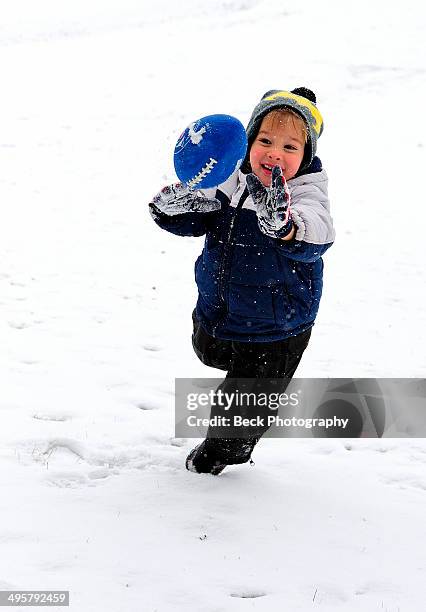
<point x="305" y="92"/>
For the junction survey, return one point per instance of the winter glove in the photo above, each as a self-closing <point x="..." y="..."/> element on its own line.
<point x="178" y="198"/>
<point x="272" y="204"/>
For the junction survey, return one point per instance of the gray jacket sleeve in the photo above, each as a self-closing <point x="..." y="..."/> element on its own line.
<point x="310" y="208"/>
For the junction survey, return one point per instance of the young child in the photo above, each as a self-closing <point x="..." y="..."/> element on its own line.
<point x="260" y="273"/>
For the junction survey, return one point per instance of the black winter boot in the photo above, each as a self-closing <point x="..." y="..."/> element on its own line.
<point x="204" y="460"/>
<point x="214" y="454"/>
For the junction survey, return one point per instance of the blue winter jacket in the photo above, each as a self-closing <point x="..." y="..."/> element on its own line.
<point x="253" y="288"/>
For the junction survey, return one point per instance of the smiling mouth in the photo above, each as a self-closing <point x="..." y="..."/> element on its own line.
<point x="267" y="168"/>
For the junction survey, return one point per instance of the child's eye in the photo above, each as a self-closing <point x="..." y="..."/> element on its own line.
<point x="290" y="148"/>
<point x="264" y="140"/>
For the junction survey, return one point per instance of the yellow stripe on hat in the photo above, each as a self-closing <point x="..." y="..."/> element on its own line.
<point x="302" y="102"/>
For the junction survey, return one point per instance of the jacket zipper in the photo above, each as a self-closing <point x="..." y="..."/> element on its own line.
<point x="226" y="254"/>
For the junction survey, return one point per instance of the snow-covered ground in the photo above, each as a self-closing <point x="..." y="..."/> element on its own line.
<point x="95" y="306"/>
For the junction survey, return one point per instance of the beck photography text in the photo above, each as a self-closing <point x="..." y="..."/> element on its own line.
<point x="258" y="421"/>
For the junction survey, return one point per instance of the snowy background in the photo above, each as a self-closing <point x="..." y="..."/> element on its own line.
<point x="95" y="305"/>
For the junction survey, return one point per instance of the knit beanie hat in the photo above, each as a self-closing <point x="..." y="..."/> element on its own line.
<point x="302" y="101"/>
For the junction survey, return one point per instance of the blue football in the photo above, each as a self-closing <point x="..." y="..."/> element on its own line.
<point x="210" y="150"/>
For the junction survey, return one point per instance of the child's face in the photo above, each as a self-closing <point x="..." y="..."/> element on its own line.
<point x="280" y="141"/>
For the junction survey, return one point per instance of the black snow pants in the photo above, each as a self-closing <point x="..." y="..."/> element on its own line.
<point x="268" y="366"/>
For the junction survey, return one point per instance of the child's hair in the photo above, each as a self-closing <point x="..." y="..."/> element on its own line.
<point x="286" y="116"/>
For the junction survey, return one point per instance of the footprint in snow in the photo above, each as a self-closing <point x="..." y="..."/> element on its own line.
<point x="151" y="347"/>
<point x="178" y="442"/>
<point x="100" y="473"/>
<point x="66" y="480"/>
<point x="249" y="594"/>
<point x="72" y="479"/>
<point x="145" y="406"/>
<point x="19" y="324"/>
<point x="51" y="417"/>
